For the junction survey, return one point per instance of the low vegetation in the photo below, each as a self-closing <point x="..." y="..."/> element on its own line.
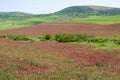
<point x="17" y="37"/>
<point x="10" y="24"/>
<point x="103" y="43"/>
<point x="99" y="20"/>
<point x="47" y="36"/>
<point x="56" y="61"/>
<point x="118" y="42"/>
<point x="65" y="37"/>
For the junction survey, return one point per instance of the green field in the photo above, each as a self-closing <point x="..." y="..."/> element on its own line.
<point x="9" y="24"/>
<point x="100" y="20"/>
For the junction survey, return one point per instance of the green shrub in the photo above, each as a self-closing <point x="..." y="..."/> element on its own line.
<point x="114" y="40"/>
<point x="32" y="40"/>
<point x="71" y="37"/>
<point x="18" y="37"/>
<point x="58" y="36"/>
<point x="42" y="39"/>
<point x="2" y="36"/>
<point x="83" y="37"/>
<point x="97" y="40"/>
<point x="48" y="37"/>
<point x="118" y="42"/>
<point x="65" y="37"/>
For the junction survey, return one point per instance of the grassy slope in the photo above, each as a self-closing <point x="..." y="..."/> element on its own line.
<point x="100" y="20"/>
<point x="8" y="24"/>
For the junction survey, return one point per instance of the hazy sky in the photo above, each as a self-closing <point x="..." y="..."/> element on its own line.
<point x="49" y="6"/>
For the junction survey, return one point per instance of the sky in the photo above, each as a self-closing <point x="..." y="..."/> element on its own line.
<point x="50" y="6"/>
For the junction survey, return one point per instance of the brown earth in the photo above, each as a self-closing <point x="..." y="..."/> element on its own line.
<point x="62" y="27"/>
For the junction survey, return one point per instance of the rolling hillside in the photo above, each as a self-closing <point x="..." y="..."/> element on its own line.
<point x="86" y="11"/>
<point x="14" y="15"/>
<point x="89" y="14"/>
<point x="99" y="19"/>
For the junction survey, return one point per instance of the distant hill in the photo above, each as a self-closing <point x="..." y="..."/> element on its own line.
<point x="85" y="11"/>
<point x="68" y="13"/>
<point x="15" y="15"/>
<point x="73" y="12"/>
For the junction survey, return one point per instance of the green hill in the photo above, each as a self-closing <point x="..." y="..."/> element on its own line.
<point x="74" y="12"/>
<point x="86" y="11"/>
<point x="14" y="15"/>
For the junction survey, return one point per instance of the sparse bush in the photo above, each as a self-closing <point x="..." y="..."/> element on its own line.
<point x="83" y="37"/>
<point x="71" y="37"/>
<point x="118" y="42"/>
<point x="2" y="36"/>
<point x="97" y="40"/>
<point x="18" y="37"/>
<point x="47" y="36"/>
<point x="42" y="39"/>
<point x="32" y="40"/>
<point x="114" y="40"/>
<point x="102" y="45"/>
<point x="58" y="36"/>
<point x="65" y="37"/>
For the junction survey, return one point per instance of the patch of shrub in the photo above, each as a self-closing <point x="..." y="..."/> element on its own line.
<point x="58" y="36"/>
<point x="102" y="45"/>
<point x="114" y="40"/>
<point x="2" y="36"/>
<point x="18" y="37"/>
<point x="97" y="40"/>
<point x="83" y="37"/>
<point x="32" y="40"/>
<point x="72" y="37"/>
<point x="48" y="37"/>
<point x="42" y="39"/>
<point x="65" y="37"/>
<point x="118" y="42"/>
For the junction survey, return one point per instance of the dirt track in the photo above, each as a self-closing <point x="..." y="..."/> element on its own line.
<point x="53" y="28"/>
